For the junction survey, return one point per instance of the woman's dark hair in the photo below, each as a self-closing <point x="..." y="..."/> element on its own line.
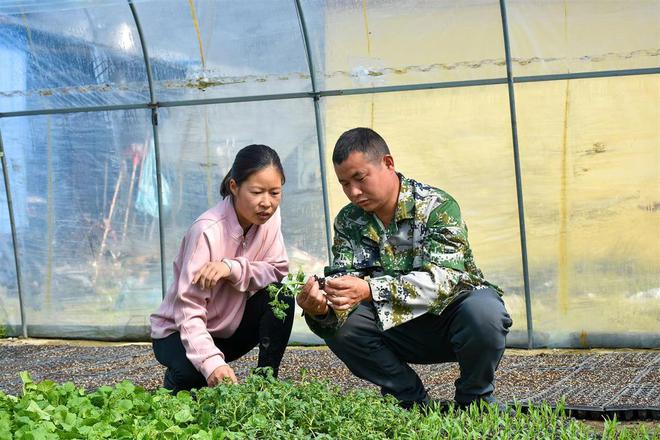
<point x="248" y="161"/>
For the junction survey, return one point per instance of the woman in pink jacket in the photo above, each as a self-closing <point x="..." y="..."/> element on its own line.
<point x="217" y="307"/>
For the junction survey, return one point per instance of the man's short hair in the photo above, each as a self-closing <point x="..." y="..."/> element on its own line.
<point x="362" y="140"/>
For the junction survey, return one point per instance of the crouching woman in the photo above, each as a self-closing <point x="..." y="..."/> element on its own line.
<point x="216" y="310"/>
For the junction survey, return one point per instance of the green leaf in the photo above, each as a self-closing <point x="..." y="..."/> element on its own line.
<point x="183" y="415"/>
<point x="25" y="377"/>
<point x="125" y="404"/>
<point x="36" y="410"/>
<point x="174" y="430"/>
<point x="126" y="387"/>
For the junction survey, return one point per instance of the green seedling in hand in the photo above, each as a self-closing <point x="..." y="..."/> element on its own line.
<point x="291" y="286"/>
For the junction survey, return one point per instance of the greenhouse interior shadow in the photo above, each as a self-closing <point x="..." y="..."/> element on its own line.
<point x="119" y="119"/>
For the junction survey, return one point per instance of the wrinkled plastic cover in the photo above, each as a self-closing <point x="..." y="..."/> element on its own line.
<point x="83" y="185"/>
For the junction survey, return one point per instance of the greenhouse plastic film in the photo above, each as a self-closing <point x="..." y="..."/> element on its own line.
<point x="211" y="49"/>
<point x="83" y="184"/>
<point x="369" y="44"/>
<point x="76" y="57"/>
<point x="591" y="176"/>
<point x="10" y="314"/>
<point x="560" y="36"/>
<point x="88" y="256"/>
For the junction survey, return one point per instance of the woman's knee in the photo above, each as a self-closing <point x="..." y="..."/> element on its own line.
<point x="185" y="377"/>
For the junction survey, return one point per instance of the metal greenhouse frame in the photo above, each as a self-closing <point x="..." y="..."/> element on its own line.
<point x="316" y="94"/>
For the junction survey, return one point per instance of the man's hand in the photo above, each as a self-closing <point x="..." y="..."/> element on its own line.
<point x="210" y="274"/>
<point x="220" y="374"/>
<point x="311" y="299"/>
<point x="347" y="291"/>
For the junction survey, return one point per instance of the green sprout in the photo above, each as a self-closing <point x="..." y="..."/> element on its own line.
<point x="291" y="286"/>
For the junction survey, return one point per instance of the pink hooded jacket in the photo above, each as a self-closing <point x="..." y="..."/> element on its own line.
<point x="259" y="258"/>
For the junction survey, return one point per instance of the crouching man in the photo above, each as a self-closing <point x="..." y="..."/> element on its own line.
<point x="403" y="286"/>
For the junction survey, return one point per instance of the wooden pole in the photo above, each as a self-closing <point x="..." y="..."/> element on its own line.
<point x="108" y="221"/>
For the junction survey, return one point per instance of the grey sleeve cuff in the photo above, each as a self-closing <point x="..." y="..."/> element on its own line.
<point x="323" y="326"/>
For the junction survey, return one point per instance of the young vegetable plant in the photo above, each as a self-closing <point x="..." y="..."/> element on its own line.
<point x="291" y="286"/>
<point x="266" y="408"/>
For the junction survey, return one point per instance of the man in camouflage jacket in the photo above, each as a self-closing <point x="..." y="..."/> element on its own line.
<point x="403" y="286"/>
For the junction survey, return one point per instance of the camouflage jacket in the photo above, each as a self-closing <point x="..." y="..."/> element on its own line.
<point x="416" y="265"/>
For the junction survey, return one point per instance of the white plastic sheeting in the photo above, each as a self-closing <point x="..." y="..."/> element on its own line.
<point x="83" y="184"/>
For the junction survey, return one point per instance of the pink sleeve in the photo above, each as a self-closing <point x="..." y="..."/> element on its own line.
<point x="190" y="306"/>
<point x="250" y="275"/>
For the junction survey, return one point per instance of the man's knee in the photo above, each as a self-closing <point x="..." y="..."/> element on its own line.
<point x="483" y="315"/>
<point x="360" y="331"/>
<point x="344" y="335"/>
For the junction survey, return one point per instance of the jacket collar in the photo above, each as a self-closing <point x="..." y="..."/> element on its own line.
<point x="228" y="213"/>
<point x="405" y="205"/>
<point x="405" y="209"/>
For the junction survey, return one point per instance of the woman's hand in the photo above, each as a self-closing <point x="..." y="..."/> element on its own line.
<point x="220" y="374"/>
<point x="210" y="274"/>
